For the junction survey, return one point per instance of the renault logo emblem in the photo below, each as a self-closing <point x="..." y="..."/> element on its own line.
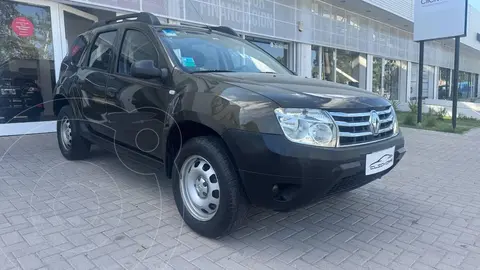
<point x="374" y="123"/>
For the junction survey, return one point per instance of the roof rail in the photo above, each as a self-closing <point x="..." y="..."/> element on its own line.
<point x="219" y="28"/>
<point x="144" y="17"/>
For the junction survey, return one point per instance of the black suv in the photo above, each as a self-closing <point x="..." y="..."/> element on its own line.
<point x="231" y="125"/>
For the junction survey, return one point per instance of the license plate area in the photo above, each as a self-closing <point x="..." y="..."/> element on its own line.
<point x="379" y="161"/>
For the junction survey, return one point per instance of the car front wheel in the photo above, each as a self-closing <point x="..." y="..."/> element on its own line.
<point x="207" y="188"/>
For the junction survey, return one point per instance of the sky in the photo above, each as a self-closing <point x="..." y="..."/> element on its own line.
<point x="475" y="3"/>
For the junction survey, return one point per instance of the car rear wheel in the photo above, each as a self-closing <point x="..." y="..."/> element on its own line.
<point x="207" y="188"/>
<point x="72" y="145"/>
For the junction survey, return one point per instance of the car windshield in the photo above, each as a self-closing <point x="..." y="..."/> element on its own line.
<point x="204" y="51"/>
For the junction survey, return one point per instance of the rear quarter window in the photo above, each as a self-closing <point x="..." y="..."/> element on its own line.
<point x="77" y="49"/>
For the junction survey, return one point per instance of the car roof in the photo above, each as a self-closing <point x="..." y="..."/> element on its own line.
<point x="145" y="18"/>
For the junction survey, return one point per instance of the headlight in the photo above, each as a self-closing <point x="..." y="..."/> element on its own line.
<point x="308" y="126"/>
<point x="396" y="129"/>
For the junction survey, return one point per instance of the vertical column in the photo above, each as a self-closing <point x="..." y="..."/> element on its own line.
<point x="320" y="59"/>
<point x="334" y="65"/>
<point x="370" y="72"/>
<point x="409" y="81"/>
<point x="57" y="38"/>
<point x="304" y="59"/>
<point x="436" y="77"/>
<point x="450" y="84"/>
<point x="403" y="81"/>
<point x="382" y="78"/>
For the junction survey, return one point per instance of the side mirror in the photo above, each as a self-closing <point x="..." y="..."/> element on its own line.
<point x="146" y="69"/>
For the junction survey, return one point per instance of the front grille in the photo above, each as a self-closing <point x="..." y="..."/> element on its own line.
<point x="355" y="127"/>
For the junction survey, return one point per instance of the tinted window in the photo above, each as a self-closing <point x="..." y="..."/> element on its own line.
<point x="205" y="51"/>
<point x="135" y="47"/>
<point x="77" y="49"/>
<point x="102" y="51"/>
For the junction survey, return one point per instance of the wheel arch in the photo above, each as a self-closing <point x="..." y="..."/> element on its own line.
<point x="59" y="101"/>
<point x="181" y="132"/>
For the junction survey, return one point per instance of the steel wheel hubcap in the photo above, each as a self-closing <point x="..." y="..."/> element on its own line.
<point x="199" y="188"/>
<point x="66" y="133"/>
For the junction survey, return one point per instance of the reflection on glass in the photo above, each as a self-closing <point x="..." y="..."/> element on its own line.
<point x="377" y="76"/>
<point x="351" y="68"/>
<point x="315" y="62"/>
<point x="277" y="49"/>
<point x="391" y="79"/>
<point x="328" y="71"/>
<point x="444" y="84"/>
<point x="467" y="83"/>
<point x="428" y="79"/>
<point x="27" y="72"/>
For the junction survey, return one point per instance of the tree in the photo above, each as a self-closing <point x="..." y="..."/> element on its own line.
<point x="38" y="46"/>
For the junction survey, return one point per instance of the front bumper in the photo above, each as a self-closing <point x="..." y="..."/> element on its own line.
<point x="303" y="174"/>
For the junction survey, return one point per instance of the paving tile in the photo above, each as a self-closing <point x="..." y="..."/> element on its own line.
<point x="419" y="216"/>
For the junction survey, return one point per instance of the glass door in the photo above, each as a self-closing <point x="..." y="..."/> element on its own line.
<point x="27" y="66"/>
<point x="74" y="23"/>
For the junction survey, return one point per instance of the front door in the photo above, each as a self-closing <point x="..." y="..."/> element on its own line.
<point x="92" y="81"/>
<point x="136" y="107"/>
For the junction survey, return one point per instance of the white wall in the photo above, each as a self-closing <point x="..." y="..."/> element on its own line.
<point x="473" y="27"/>
<point x="402" y="8"/>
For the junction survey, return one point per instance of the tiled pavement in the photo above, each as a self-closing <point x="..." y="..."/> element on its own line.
<point x="56" y="214"/>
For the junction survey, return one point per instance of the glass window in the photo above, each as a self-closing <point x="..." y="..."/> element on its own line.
<point x="328" y="71"/>
<point x="466" y="85"/>
<point x="102" y="51"/>
<point x="27" y="69"/>
<point x="135" y="47"/>
<point x="377" y="76"/>
<point x="277" y="49"/>
<point x="204" y="51"/>
<point x="315" y="62"/>
<point x="351" y="68"/>
<point x="428" y="79"/>
<point x="77" y="49"/>
<point x="391" y="79"/>
<point x="444" y="84"/>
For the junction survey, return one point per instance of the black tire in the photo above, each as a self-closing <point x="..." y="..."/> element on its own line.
<point x="79" y="147"/>
<point x="233" y="205"/>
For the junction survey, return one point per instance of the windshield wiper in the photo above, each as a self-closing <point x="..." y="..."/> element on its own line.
<point x="268" y="72"/>
<point x="212" y="70"/>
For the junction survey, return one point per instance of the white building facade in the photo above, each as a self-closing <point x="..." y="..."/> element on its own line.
<point x="364" y="43"/>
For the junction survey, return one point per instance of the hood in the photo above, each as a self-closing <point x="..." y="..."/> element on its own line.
<point x="290" y="91"/>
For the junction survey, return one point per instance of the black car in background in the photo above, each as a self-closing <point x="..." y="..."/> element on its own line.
<point x="19" y="96"/>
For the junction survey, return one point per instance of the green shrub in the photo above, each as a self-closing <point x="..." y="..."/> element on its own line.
<point x="394" y="104"/>
<point x="430" y="121"/>
<point x="442" y="114"/>
<point x="413" y="106"/>
<point x="410" y="119"/>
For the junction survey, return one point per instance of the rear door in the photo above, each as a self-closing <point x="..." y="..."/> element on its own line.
<point x="136" y="107"/>
<point x="92" y="81"/>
